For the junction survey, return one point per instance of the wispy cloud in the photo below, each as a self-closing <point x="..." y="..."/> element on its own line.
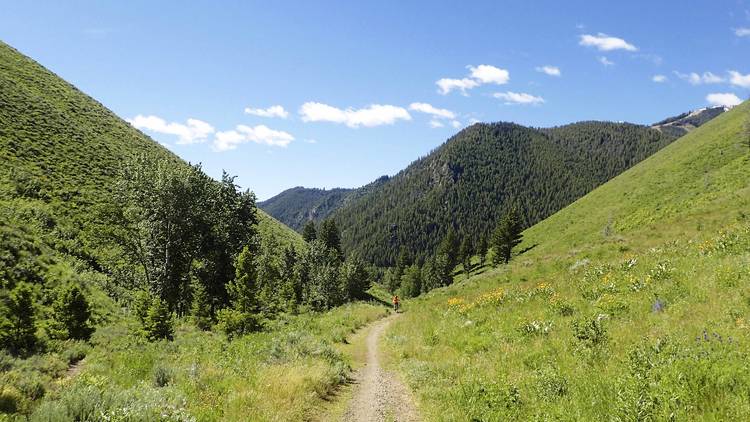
<point x="436" y="124"/>
<point x="742" y="32"/>
<point x="439" y="113"/>
<point x="479" y="75"/>
<point x="723" y="99"/>
<point x="549" y="70"/>
<point x="694" y="78"/>
<point x="373" y="115"/>
<point x="261" y="134"/>
<point x="273" y="111"/>
<point x="659" y="78"/>
<point x="192" y="132"/>
<point x="738" y="79"/>
<point x="518" y="98"/>
<point x="604" y="42"/>
<point x="605" y="61"/>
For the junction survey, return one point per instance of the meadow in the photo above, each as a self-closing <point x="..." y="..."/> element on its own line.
<point x="201" y="375"/>
<point x="630" y="304"/>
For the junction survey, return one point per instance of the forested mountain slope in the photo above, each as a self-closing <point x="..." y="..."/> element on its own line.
<point x="298" y="205"/>
<point x="633" y="303"/>
<point x="481" y="172"/>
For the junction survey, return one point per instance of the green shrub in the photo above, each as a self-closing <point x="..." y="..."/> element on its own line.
<point x="75" y="352"/>
<point x="159" y="321"/>
<point x="590" y="332"/>
<point x="10" y="399"/>
<point x="17" y="320"/>
<point x="162" y="376"/>
<point x="72" y="312"/>
<point x="234" y="323"/>
<point x="32" y="387"/>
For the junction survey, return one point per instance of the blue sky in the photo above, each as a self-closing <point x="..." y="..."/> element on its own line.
<point x="337" y="93"/>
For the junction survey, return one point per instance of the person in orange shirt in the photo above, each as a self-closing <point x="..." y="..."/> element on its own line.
<point x="396" y="302"/>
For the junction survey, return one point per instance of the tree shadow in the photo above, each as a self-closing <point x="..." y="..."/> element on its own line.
<point x="368" y="297"/>
<point x="523" y="251"/>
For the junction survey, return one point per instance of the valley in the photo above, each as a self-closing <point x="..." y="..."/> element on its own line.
<point x="589" y="271"/>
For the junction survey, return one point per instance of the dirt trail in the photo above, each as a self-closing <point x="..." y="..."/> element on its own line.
<point x="379" y="396"/>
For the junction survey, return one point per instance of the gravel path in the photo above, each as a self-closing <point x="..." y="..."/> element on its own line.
<point x="380" y="396"/>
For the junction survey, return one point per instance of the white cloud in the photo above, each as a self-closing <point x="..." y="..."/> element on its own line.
<point x="261" y="134"/>
<point x="698" y="79"/>
<point x="659" y="78"/>
<point x="311" y="141"/>
<point x="738" y="79"/>
<point x="549" y="70"/>
<point x="604" y="42"/>
<point x="742" y="32"/>
<point x="195" y="131"/>
<point x="456" y="124"/>
<point x="518" y="98"/>
<point x="487" y="74"/>
<point x="474" y="121"/>
<point x="439" y="113"/>
<point x="447" y="85"/>
<point x="373" y="115"/>
<point x="478" y="75"/>
<point x="605" y="61"/>
<point x="436" y="124"/>
<point x="273" y="111"/>
<point x="723" y="99"/>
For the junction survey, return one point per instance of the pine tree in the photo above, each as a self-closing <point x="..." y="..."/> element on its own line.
<point x="159" y="321"/>
<point x="449" y="248"/>
<point x="482" y="249"/>
<point x="466" y="252"/>
<point x="309" y="233"/>
<point x="72" y="311"/>
<point x="411" y="282"/>
<point x="17" y="320"/>
<point x="506" y="236"/>
<point x="355" y="279"/>
<point x="243" y="289"/>
<point x="329" y="234"/>
<point x="200" y="309"/>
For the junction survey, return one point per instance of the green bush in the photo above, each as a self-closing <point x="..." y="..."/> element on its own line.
<point x="234" y="323"/>
<point x="590" y="332"/>
<point x="17" y="320"/>
<point x="162" y="376"/>
<point x="10" y="399"/>
<point x="75" y="352"/>
<point x="159" y="321"/>
<point x="72" y="311"/>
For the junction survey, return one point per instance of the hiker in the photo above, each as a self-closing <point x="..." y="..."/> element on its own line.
<point x="395" y="303"/>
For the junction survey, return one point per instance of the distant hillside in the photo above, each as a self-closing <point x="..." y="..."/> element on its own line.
<point x="685" y="122"/>
<point x="60" y="155"/>
<point x="298" y="205"/>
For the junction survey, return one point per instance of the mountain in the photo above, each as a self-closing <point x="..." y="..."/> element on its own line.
<point x="479" y="173"/>
<point x="685" y="122"/>
<point x="61" y="152"/>
<point x="629" y="304"/>
<point x="298" y="205"/>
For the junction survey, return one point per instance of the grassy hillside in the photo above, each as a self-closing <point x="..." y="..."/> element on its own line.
<point x="61" y="153"/>
<point x="632" y="305"/>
